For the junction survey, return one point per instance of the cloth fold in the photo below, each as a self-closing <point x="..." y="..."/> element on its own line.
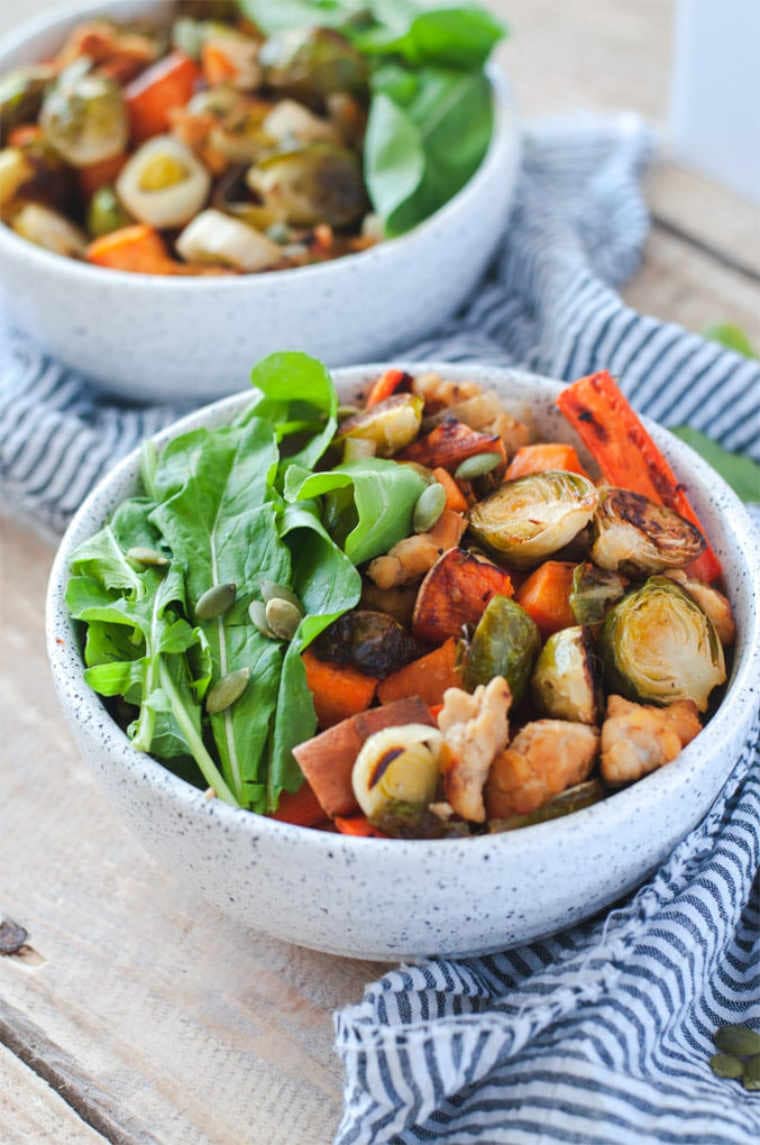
<point x="601" y="1034"/>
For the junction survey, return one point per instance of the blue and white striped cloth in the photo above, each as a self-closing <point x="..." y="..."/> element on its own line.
<point x="602" y="1035"/>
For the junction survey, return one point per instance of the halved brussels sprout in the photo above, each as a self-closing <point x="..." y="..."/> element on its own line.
<point x="315" y="184"/>
<point x="505" y="643"/>
<point x="658" y="646"/>
<point x="397" y="765"/>
<point x="49" y="229"/>
<point x="21" y="93"/>
<point x="565" y="682"/>
<point x="372" y="642"/>
<point x="105" y="213"/>
<point x="574" y="799"/>
<point x="391" y="424"/>
<point x="219" y="240"/>
<point x="594" y="591"/>
<point x="634" y="536"/>
<point x="163" y="184"/>
<point x="313" y="63"/>
<point x="533" y="517"/>
<point x="84" y="117"/>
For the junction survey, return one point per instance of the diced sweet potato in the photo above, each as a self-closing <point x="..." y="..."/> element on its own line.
<point x="338" y="690"/>
<point x="328" y="759"/>
<point x="300" y="807"/>
<point x="455" y="592"/>
<point x="449" y="444"/>
<point x="427" y="678"/>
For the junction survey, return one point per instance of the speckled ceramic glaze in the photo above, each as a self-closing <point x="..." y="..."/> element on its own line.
<point x="394" y="899"/>
<point x="181" y="340"/>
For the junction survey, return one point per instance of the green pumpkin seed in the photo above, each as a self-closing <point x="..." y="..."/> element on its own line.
<point x="739" y="1040"/>
<point x="216" y="601"/>
<point x="477" y="466"/>
<point x="257" y="611"/>
<point x="430" y="504"/>
<point x="270" y="590"/>
<point x="283" y="618"/>
<point x="150" y="557"/>
<point x="726" y="1065"/>
<point x="751" y="1075"/>
<point x="227" y="690"/>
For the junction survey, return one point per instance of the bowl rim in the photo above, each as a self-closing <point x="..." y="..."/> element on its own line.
<point x="612" y="813"/>
<point x="505" y="135"/>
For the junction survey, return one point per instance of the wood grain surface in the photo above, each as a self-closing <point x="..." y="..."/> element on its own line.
<point x="133" y="1016"/>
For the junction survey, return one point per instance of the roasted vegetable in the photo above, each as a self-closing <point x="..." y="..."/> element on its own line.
<point x="713" y="603"/>
<point x="15" y="171"/>
<point x="637" y="739"/>
<point x="505" y="643"/>
<point x="455" y="593"/>
<point x="593" y="592"/>
<point x="313" y="63"/>
<point x="418" y="821"/>
<point x="154" y="95"/>
<point x="49" y="229"/>
<point x="229" y="56"/>
<point x="163" y="184"/>
<point x="390" y="382"/>
<point x="451" y="443"/>
<point x="371" y="642"/>
<point x="440" y="393"/>
<point x="544" y="456"/>
<point x="390" y="425"/>
<point x="397" y="765"/>
<point x="217" y="239"/>
<point x="545" y="596"/>
<point x="570" y="800"/>
<point x="98" y="176"/>
<point x="289" y="121"/>
<point x="338" y="692"/>
<point x="427" y="678"/>
<point x="455" y="498"/>
<point x="565" y="681"/>
<point x="634" y="536"/>
<point x="300" y="807"/>
<point x="659" y="646"/>
<point x="105" y="213"/>
<point x="137" y="249"/>
<point x="328" y="759"/>
<point x="535" y="516"/>
<point x="84" y="117"/>
<point x="543" y="759"/>
<point x="475" y="730"/>
<point x="21" y="93"/>
<point x="320" y="183"/>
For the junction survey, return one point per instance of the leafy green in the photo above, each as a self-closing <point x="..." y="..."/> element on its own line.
<point x="461" y="37"/>
<point x="741" y="473"/>
<point x="384" y="496"/>
<point x="297" y="396"/>
<point x="732" y="337"/>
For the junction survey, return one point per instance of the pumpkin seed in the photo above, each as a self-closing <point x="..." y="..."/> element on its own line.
<point x="477" y="466"/>
<point x="751" y="1075"/>
<point x="270" y="590"/>
<point x="257" y="611"/>
<point x="739" y="1040"/>
<point x="726" y="1065"/>
<point x="227" y="690"/>
<point x="283" y="618"/>
<point x="216" y="601"/>
<point x="145" y="556"/>
<point x="430" y="504"/>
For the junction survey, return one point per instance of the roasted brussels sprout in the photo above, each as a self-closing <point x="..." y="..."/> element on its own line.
<point x="533" y="517"/>
<point x="219" y="240"/>
<point x="658" y="646"/>
<point x="505" y="643"/>
<point x="163" y="184"/>
<point x="390" y="424"/>
<point x="372" y="642"/>
<point x="84" y="117"/>
<point x="573" y="799"/>
<point x="315" y="184"/>
<point x="21" y="93"/>
<point x="418" y="821"/>
<point x="397" y="765"/>
<point x="105" y="213"/>
<point x="594" y="591"/>
<point x="49" y="229"/>
<point x="632" y="535"/>
<point x="565" y="682"/>
<point x="313" y="64"/>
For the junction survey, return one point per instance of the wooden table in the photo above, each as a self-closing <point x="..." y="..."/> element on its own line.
<point x="131" y="1016"/>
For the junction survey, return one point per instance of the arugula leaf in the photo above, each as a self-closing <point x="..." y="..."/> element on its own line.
<point x="384" y="496"/>
<point x="732" y="337"/>
<point x="741" y="473"/>
<point x="297" y="394"/>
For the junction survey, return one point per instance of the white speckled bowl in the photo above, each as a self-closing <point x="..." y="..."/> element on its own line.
<point x="179" y="340"/>
<point x="395" y="899"/>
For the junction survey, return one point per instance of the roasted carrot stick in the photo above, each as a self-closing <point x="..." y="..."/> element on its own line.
<point x="386" y="385"/>
<point x="455" y="498"/>
<point x="542" y="457"/>
<point x="151" y="97"/>
<point x="626" y="454"/>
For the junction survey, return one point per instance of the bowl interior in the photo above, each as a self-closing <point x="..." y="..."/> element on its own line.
<point x="730" y="530"/>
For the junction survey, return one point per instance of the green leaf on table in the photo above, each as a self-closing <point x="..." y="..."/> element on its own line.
<point x="732" y="337"/>
<point x="383" y="496"/>
<point x="741" y="473"/>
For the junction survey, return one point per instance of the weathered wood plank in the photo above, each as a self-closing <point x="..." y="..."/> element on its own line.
<point x="32" y="1113"/>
